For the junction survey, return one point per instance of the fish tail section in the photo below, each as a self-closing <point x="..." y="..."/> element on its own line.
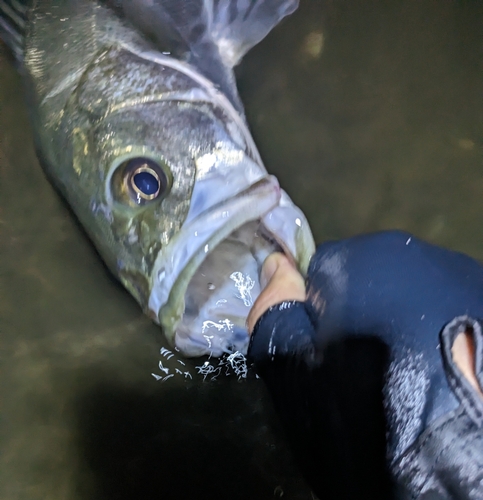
<point x="13" y="22"/>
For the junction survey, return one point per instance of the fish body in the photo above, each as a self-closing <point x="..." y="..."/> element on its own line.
<point x="153" y="154"/>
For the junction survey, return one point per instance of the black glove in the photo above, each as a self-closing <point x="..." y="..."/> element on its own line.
<point x="362" y="374"/>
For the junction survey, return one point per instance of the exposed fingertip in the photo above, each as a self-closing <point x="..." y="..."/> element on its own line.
<point x="271" y="264"/>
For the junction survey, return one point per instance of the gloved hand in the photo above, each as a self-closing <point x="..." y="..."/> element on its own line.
<point x="377" y="374"/>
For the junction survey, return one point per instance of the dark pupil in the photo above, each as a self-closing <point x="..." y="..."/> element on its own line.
<point x="146" y="183"/>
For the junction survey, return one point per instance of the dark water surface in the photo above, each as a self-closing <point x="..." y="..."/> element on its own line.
<point x="371" y="115"/>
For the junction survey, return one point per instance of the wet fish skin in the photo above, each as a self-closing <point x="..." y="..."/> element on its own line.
<point x="103" y="124"/>
<point x="102" y="96"/>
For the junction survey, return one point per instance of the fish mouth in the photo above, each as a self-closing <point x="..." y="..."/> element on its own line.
<point x="206" y="279"/>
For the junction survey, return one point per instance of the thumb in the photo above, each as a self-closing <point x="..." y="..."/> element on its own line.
<point x="281" y="281"/>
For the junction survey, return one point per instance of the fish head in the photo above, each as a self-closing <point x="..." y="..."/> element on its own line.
<point x="172" y="191"/>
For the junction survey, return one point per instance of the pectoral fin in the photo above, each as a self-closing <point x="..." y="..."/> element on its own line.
<point x="213" y="35"/>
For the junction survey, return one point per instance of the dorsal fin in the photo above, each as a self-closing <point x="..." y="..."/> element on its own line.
<point x="213" y="35"/>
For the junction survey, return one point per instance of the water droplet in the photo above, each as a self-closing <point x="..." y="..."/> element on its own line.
<point x="298" y="222"/>
<point x="161" y="274"/>
<point x="211" y="286"/>
<point x="207" y="247"/>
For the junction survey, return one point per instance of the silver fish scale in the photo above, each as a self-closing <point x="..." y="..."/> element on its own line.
<point x="119" y="78"/>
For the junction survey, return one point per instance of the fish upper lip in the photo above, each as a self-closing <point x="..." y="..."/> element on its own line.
<point x="175" y="266"/>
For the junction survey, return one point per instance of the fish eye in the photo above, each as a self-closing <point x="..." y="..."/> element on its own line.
<point x="145" y="182"/>
<point x="142" y="180"/>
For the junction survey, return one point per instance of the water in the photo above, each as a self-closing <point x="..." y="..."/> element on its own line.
<point x="383" y="129"/>
<point x="371" y="115"/>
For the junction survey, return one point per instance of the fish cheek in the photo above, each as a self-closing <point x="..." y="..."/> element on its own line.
<point x="134" y="262"/>
<point x="143" y="235"/>
<point x="159" y="222"/>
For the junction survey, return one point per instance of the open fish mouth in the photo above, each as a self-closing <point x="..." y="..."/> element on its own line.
<point x="206" y="280"/>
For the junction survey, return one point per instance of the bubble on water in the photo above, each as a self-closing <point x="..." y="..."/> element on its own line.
<point x="166" y="353"/>
<point x="208" y="369"/>
<point x="229" y="364"/>
<point x="238" y="363"/>
<point x="162" y="368"/>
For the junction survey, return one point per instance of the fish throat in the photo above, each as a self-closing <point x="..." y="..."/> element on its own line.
<point x="222" y="291"/>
